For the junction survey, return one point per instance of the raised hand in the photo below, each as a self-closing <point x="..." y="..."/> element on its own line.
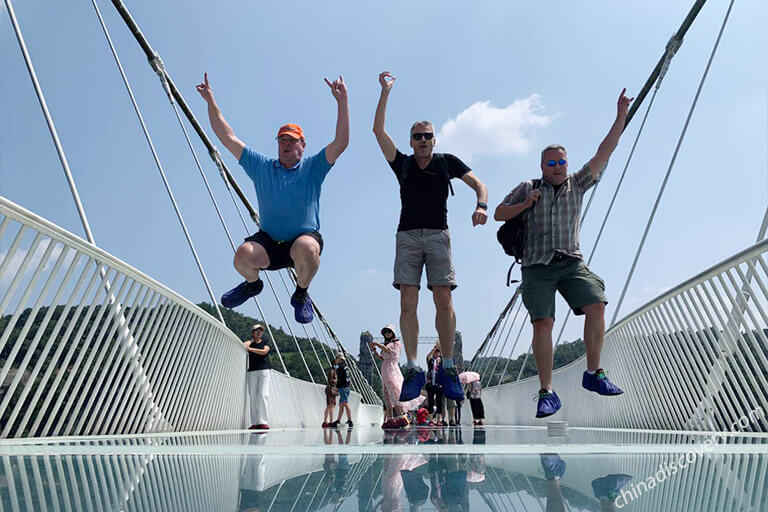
<point x="533" y="198"/>
<point x="338" y="88"/>
<point x="205" y="90"/>
<point x="386" y="80"/>
<point x="623" y="104"/>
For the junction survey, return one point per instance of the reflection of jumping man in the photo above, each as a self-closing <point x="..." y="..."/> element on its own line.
<point x="288" y="191"/>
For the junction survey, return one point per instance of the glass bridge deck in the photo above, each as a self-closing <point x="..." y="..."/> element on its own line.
<point x="366" y="469"/>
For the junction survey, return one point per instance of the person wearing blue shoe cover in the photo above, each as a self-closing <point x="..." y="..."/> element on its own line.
<point x="288" y="192"/>
<point x="423" y="239"/>
<point x="552" y="260"/>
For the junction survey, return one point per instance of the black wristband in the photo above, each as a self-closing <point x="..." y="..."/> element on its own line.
<point x="482" y="205"/>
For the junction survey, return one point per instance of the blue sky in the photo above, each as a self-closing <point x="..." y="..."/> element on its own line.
<point x="507" y="77"/>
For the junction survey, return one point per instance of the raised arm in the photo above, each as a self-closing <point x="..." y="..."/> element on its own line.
<point x="387" y="145"/>
<point x="600" y="160"/>
<point x="220" y="125"/>
<point x="480" y="216"/>
<point x="340" y="142"/>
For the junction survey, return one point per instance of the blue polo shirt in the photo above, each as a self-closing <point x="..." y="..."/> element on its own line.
<point x="289" y="199"/>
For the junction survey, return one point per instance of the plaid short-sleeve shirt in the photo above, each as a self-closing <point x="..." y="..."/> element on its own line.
<point x="554" y="221"/>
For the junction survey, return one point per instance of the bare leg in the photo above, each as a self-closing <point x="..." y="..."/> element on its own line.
<point x="409" y="322"/>
<point x="445" y="319"/>
<point x="542" y="350"/>
<point x="594" y="333"/>
<point x="305" y="253"/>
<point x="249" y="259"/>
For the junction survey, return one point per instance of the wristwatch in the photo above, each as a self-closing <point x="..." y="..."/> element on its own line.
<point x="482" y="205"/>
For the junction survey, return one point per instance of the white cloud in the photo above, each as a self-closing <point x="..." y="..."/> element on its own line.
<point x="483" y="129"/>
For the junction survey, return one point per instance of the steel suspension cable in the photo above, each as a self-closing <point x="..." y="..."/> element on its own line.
<point x="672" y="46"/>
<point x="615" y="194"/>
<point x="124" y="329"/>
<point x="492" y="332"/>
<point x="500" y="331"/>
<point x="672" y="162"/>
<point x="158" y="164"/>
<point x="322" y="345"/>
<point x="514" y="346"/>
<point x="506" y="340"/>
<point x="373" y="360"/>
<point x="658" y="71"/>
<point x="306" y="333"/>
<point x="50" y="124"/>
<point x="230" y="182"/>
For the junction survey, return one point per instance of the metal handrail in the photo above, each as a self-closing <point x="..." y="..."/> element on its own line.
<point x="117" y="357"/>
<point x="693" y="358"/>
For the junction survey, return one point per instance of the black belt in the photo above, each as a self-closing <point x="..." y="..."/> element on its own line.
<point x="559" y="256"/>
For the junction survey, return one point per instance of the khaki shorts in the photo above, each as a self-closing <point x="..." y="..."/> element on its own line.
<point x="578" y="285"/>
<point x="418" y="247"/>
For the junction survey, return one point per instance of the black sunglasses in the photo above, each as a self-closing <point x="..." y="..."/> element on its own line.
<point x="418" y="136"/>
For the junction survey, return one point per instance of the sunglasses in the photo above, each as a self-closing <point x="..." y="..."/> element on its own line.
<point x="552" y="163"/>
<point x="418" y="136"/>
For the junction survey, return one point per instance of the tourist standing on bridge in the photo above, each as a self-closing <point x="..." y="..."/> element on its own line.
<point x="259" y="367"/>
<point x="288" y="191"/>
<point x="434" y="390"/>
<point x="392" y="379"/>
<point x="553" y="262"/>
<point x="342" y="382"/>
<point x="423" y="239"/>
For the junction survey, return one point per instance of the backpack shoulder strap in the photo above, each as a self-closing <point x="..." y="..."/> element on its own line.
<point x="442" y="163"/>
<point x="404" y="169"/>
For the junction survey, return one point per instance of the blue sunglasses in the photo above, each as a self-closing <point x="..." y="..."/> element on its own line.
<point x="552" y="163"/>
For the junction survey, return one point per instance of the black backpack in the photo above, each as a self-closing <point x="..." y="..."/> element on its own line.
<point x="441" y="163"/>
<point x="512" y="235"/>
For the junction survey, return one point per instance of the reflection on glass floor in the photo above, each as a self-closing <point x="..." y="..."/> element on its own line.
<point x="448" y="469"/>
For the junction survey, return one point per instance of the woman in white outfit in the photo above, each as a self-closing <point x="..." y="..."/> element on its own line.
<point x="259" y="366"/>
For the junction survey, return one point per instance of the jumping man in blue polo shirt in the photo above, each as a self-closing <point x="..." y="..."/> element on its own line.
<point x="288" y="191"/>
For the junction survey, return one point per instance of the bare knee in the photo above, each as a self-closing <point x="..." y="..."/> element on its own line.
<point x="593" y="311"/>
<point x="250" y="256"/>
<point x="443" y="300"/>
<point x="543" y="325"/>
<point x="306" y="249"/>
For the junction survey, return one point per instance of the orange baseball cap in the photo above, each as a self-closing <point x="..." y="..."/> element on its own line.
<point x="292" y="130"/>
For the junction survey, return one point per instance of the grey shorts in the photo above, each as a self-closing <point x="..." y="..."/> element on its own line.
<point x="418" y="247"/>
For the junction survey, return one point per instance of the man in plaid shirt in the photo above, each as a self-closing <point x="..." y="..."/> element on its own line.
<point x="553" y="262"/>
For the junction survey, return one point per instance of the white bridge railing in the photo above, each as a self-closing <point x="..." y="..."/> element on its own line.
<point x="694" y="358"/>
<point x="89" y="345"/>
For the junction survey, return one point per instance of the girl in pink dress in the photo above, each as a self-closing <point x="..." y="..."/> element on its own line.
<point x="392" y="379"/>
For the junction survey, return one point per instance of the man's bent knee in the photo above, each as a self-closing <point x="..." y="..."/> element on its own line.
<point x="306" y="248"/>
<point x="251" y="255"/>
<point x="596" y="309"/>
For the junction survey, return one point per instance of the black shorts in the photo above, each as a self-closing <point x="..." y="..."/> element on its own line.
<point x="279" y="253"/>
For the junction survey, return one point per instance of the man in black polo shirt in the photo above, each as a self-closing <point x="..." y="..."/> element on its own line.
<point x="423" y="239"/>
<point x="259" y="367"/>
